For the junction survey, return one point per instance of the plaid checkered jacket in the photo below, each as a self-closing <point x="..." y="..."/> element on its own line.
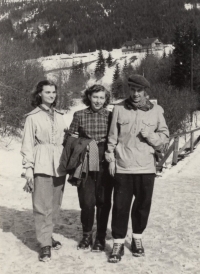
<point x="90" y="124"/>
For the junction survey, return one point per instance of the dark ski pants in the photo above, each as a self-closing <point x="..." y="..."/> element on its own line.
<point x="96" y="192"/>
<point x="125" y="187"/>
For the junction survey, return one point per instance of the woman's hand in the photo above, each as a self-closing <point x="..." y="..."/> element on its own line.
<point x="112" y="168"/>
<point x="29" y="186"/>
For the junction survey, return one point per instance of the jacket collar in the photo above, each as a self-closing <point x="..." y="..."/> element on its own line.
<point x="130" y="105"/>
<point x="44" y="108"/>
<point x="102" y="111"/>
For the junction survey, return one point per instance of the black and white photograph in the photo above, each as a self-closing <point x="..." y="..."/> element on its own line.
<point x="99" y="136"/>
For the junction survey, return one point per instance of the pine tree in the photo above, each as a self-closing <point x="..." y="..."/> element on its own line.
<point x="116" y="74"/>
<point x="109" y="60"/>
<point x="118" y="89"/>
<point x="100" y="66"/>
<point x="164" y="54"/>
<point x="125" y="69"/>
<point x="77" y="80"/>
<point x="197" y="73"/>
<point x="186" y="42"/>
<point x="117" y="85"/>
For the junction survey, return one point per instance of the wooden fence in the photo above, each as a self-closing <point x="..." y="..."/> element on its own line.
<point x="178" y="153"/>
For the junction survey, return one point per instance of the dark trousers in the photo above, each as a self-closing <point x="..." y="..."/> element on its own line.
<point x="47" y="199"/>
<point x="96" y="191"/>
<point x="125" y="187"/>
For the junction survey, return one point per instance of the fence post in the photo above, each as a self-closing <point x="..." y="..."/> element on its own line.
<point x="192" y="142"/>
<point x="175" y="154"/>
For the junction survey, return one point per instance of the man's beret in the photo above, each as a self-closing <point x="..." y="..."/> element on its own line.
<point x="138" y="81"/>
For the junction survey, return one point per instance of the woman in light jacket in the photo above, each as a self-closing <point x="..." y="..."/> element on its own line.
<point x="41" y="151"/>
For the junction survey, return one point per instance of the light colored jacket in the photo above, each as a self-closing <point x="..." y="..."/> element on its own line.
<point x="42" y="141"/>
<point x="133" y="153"/>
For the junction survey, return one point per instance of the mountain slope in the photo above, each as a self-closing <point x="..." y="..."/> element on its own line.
<point x="87" y="25"/>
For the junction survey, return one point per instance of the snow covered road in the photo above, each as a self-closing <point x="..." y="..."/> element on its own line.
<point x="171" y="240"/>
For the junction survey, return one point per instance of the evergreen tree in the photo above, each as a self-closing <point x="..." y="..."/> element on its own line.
<point x="164" y="54"/>
<point x="109" y="60"/>
<point x="196" y="69"/>
<point x="187" y="46"/>
<point x="130" y="70"/>
<point x="100" y="66"/>
<point x="118" y="89"/>
<point x="91" y="28"/>
<point x="77" y="80"/>
<point x="125" y="69"/>
<point x="117" y="85"/>
<point x="116" y="74"/>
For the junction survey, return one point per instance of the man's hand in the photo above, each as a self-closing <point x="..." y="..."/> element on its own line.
<point x="29" y="186"/>
<point x="144" y="132"/>
<point x="112" y="168"/>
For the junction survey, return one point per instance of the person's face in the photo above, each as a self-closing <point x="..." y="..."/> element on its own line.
<point x="48" y="95"/>
<point x="97" y="100"/>
<point x="136" y="94"/>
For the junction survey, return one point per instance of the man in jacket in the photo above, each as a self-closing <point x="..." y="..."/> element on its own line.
<point x="138" y="128"/>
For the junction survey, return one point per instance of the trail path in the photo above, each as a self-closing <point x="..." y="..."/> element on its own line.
<point x="171" y="240"/>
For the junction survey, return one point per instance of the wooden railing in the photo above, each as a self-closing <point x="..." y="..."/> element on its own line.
<point x="174" y="148"/>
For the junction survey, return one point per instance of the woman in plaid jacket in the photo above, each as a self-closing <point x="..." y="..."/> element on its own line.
<point x="93" y="123"/>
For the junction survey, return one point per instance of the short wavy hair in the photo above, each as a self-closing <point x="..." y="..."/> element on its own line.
<point x="36" y="98"/>
<point x="93" y="89"/>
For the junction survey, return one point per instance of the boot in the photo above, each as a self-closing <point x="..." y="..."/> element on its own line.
<point x="99" y="245"/>
<point x="86" y="242"/>
<point x="55" y="244"/>
<point x="117" y="253"/>
<point x="45" y="254"/>
<point x="137" y="247"/>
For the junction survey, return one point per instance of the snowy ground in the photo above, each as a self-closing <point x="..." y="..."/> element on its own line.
<point x="56" y="65"/>
<point x="171" y="240"/>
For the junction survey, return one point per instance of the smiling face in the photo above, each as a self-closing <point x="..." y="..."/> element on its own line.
<point x="97" y="100"/>
<point x="48" y="95"/>
<point x="136" y="93"/>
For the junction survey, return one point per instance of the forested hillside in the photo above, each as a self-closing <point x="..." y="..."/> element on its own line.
<point x="87" y="25"/>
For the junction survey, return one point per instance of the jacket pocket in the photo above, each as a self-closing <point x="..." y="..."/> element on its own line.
<point x="151" y="125"/>
<point x="124" y="126"/>
<point x="123" y="121"/>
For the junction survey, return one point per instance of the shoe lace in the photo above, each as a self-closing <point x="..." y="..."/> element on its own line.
<point x="138" y="243"/>
<point x="45" y="250"/>
<point x="116" y="248"/>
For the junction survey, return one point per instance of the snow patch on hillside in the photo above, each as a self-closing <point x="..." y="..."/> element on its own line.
<point x="54" y="64"/>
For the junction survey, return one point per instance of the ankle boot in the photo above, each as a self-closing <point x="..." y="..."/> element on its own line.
<point x="99" y="245"/>
<point x="86" y="242"/>
<point x="137" y="247"/>
<point x="117" y="253"/>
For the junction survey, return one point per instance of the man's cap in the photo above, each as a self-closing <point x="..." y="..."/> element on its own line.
<point x="138" y="81"/>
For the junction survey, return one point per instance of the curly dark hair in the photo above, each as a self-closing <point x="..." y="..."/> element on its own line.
<point x="36" y="98"/>
<point x="93" y="89"/>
